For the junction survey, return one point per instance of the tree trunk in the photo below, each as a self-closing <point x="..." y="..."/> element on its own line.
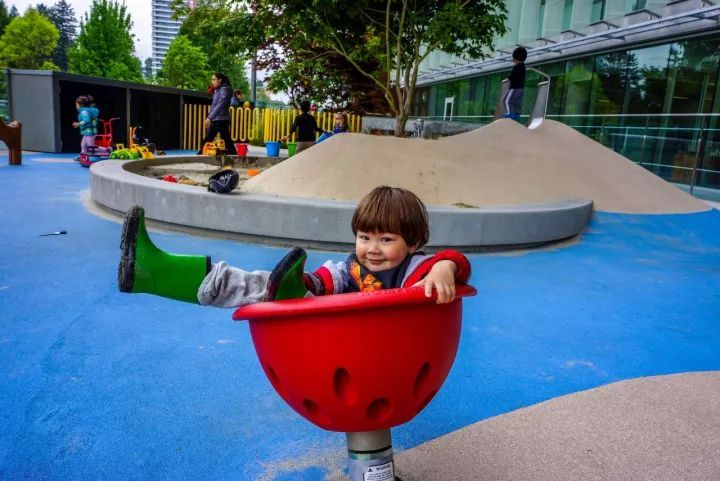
<point x="400" y="122"/>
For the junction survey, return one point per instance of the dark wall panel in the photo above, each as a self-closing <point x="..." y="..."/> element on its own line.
<point x="110" y="100"/>
<point x="159" y="115"/>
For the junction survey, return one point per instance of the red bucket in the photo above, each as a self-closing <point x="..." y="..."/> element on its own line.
<point x="242" y="149"/>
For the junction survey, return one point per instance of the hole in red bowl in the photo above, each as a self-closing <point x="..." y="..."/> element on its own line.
<point x="271" y="374"/>
<point x="379" y="410"/>
<point x="427" y="399"/>
<point x="315" y="412"/>
<point x="345" y="389"/>
<point x="421" y="380"/>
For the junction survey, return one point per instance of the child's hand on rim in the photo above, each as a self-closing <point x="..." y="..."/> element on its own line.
<point x="442" y="278"/>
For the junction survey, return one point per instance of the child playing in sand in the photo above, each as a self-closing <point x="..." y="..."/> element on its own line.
<point x="390" y="225"/>
<point x="306" y="126"/>
<point x="513" y="99"/>
<point x="341" y="123"/>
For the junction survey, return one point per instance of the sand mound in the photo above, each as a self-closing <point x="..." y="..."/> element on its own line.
<point x="502" y="163"/>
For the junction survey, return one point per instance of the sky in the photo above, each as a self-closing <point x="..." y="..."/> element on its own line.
<point x="140" y="12"/>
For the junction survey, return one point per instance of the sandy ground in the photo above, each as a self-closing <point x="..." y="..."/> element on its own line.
<point x="502" y="163"/>
<point x="653" y="428"/>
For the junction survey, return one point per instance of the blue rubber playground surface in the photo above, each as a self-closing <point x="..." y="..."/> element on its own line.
<point x="95" y="384"/>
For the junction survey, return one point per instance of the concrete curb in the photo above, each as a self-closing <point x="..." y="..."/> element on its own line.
<point x="114" y="184"/>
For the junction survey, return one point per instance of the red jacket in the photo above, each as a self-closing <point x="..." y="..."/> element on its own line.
<point x="334" y="275"/>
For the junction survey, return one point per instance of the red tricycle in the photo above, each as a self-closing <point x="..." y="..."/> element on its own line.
<point x="103" y="145"/>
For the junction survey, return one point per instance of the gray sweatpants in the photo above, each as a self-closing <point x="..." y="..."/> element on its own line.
<point x="513" y="101"/>
<point x="227" y="286"/>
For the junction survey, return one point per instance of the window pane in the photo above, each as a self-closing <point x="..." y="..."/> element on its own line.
<point x="477" y="94"/>
<point x="647" y="79"/>
<point x="567" y="14"/>
<point x="462" y="102"/>
<point x="541" y="17"/>
<point x="492" y="91"/>
<point x="440" y="94"/>
<point x="578" y="85"/>
<point x="598" y="11"/>
<point x="556" y="71"/>
<point x="609" y="83"/>
<point x="693" y="66"/>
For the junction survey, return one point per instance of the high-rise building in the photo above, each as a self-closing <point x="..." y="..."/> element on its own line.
<point x="164" y="30"/>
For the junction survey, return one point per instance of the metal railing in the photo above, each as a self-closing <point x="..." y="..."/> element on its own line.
<point x="681" y="148"/>
<point x="539" y="109"/>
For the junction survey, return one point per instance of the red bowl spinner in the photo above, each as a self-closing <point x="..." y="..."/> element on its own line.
<point x="360" y="361"/>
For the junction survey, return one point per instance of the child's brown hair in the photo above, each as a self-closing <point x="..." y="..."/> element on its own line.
<point x="394" y="210"/>
<point x="83" y="100"/>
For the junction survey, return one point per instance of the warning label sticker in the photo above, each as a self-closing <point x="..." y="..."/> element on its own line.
<point x="382" y="472"/>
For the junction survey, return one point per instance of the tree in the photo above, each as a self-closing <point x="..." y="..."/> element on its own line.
<point x="28" y="42"/>
<point x="6" y="16"/>
<point x="44" y="10"/>
<point x="148" y="70"/>
<point x="394" y="35"/>
<point x="185" y="66"/>
<point x="105" y="46"/>
<point x="62" y="15"/>
<point x="200" y="26"/>
<point x="329" y="81"/>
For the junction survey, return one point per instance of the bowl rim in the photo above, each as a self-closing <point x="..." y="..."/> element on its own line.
<point x="337" y="303"/>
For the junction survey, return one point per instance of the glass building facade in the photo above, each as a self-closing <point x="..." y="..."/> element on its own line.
<point x="657" y="103"/>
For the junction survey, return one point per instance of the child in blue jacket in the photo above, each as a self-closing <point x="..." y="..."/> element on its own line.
<point x="87" y="123"/>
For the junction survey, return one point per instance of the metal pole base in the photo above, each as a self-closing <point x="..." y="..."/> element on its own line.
<point x="371" y="456"/>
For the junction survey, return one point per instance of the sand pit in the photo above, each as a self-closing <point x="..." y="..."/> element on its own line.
<point x="500" y="164"/>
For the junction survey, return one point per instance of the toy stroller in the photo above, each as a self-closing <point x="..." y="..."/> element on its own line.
<point x="103" y="145"/>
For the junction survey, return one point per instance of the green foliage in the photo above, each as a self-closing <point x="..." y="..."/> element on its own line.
<point x="384" y="41"/>
<point x="202" y="26"/>
<point x="104" y="47"/>
<point x="44" y="10"/>
<point x="185" y="66"/>
<point x="28" y="42"/>
<point x="148" y="70"/>
<point x="6" y="16"/>
<point x="62" y="15"/>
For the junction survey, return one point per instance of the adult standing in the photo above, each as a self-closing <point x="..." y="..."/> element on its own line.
<point x="306" y="125"/>
<point x="218" y="119"/>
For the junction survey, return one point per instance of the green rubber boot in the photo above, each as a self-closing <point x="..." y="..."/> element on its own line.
<point x="145" y="268"/>
<point x="287" y="280"/>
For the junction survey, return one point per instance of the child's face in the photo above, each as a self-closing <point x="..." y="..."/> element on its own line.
<point x="339" y="120"/>
<point x="379" y="251"/>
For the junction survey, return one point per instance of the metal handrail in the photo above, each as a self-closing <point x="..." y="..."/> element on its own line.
<point x="542" y="74"/>
<point x="636" y="115"/>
